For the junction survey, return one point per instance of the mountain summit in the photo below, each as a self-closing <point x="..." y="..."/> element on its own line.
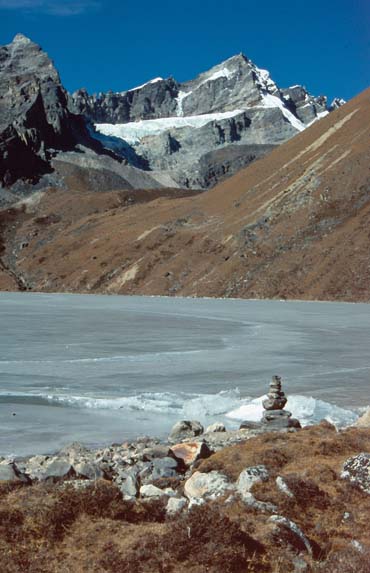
<point x="198" y="131"/>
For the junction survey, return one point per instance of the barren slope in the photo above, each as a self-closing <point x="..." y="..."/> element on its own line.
<point x="294" y="224"/>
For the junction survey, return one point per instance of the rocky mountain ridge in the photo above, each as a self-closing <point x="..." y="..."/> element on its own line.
<point x="198" y="131"/>
<point x="41" y="140"/>
<point x="161" y="134"/>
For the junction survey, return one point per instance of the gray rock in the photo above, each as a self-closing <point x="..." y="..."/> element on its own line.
<point x="9" y="472"/>
<point x="216" y="427"/>
<point x="207" y="486"/>
<point x="293" y="527"/>
<point x="175" y="505"/>
<point x="155" y="452"/>
<point x="129" y="487"/>
<point x="357" y="471"/>
<point x="88" y="470"/>
<point x="53" y="468"/>
<point x="250" y="476"/>
<point x="249" y="425"/>
<point x="164" y="468"/>
<point x="152" y="492"/>
<point x="185" y="429"/>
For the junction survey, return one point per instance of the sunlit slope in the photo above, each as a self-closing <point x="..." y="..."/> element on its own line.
<point x="294" y="224"/>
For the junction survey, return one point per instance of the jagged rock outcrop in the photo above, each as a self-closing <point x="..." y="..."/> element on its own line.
<point x="34" y="116"/>
<point x="42" y="142"/>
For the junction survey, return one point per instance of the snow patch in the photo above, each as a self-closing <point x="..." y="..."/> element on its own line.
<point x="264" y="80"/>
<point x="269" y="100"/>
<point x="154" y="81"/>
<point x="223" y="73"/>
<point x="180" y="98"/>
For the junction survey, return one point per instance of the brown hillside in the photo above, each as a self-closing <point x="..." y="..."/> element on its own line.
<point x="294" y="224"/>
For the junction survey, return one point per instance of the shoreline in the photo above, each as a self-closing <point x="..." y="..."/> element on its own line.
<point x="174" y="297"/>
<point x="257" y="494"/>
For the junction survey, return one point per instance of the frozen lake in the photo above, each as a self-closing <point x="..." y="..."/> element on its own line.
<point x="101" y="369"/>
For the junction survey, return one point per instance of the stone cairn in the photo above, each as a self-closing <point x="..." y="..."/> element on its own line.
<point x="275" y="415"/>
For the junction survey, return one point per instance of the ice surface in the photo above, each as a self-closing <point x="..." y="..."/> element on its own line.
<point x="308" y="410"/>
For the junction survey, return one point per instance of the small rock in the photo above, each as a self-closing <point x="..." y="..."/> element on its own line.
<point x="189" y="453"/>
<point x="185" y="429"/>
<point x="293" y="527"/>
<point x="152" y="492"/>
<point x="251" y="476"/>
<point x="357" y="545"/>
<point x="283" y="487"/>
<point x="210" y="485"/>
<point x="216" y="427"/>
<point x="157" y="451"/>
<point x="357" y="471"/>
<point x="175" y="505"/>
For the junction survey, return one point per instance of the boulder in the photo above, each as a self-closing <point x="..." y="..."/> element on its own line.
<point x="188" y="453"/>
<point x="210" y="485"/>
<point x="250" y="476"/>
<point x="53" y="468"/>
<point x="164" y="468"/>
<point x="9" y="472"/>
<point x="364" y="420"/>
<point x="185" y="429"/>
<point x="357" y="471"/>
<point x="129" y="487"/>
<point x="152" y="492"/>
<point x="88" y="470"/>
<point x="175" y="505"/>
<point x="216" y="427"/>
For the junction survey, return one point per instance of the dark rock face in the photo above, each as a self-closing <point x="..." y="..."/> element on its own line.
<point x="153" y="100"/>
<point x="34" y="115"/>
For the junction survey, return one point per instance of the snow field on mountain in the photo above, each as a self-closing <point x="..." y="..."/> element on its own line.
<point x="134" y="131"/>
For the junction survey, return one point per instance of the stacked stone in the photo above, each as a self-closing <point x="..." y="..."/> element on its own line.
<point x="275" y="415"/>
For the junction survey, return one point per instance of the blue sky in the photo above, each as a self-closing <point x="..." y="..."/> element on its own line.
<point x="101" y="44"/>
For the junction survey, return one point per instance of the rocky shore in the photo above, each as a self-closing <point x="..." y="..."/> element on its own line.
<point x="267" y="497"/>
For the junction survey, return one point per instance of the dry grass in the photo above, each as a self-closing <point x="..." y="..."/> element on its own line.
<point x="46" y="528"/>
